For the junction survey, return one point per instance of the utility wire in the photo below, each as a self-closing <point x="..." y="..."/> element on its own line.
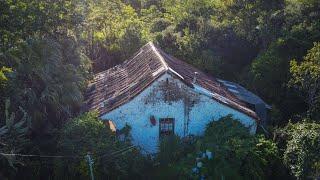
<point x="42" y="156"/>
<point x="49" y="156"/>
<point x="88" y="157"/>
<point x="116" y="152"/>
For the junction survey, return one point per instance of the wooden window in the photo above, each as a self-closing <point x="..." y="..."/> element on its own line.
<point x="166" y="126"/>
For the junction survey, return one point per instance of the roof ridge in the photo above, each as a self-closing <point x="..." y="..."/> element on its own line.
<point x="155" y="62"/>
<point x="160" y="57"/>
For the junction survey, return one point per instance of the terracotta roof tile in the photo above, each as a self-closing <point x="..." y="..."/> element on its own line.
<point x="116" y="86"/>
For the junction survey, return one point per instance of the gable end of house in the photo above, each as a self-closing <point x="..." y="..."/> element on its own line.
<point x="120" y="84"/>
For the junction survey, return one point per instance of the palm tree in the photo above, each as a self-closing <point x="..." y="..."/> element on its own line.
<point x="47" y="80"/>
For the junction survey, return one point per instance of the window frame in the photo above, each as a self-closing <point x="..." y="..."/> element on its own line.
<point x="166" y="126"/>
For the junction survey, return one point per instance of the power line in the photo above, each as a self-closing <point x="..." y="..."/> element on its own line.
<point x="53" y="156"/>
<point x="117" y="152"/>
<point x="41" y="156"/>
<point x="88" y="157"/>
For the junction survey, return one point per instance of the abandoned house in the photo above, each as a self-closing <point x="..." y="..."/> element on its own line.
<point x="158" y="95"/>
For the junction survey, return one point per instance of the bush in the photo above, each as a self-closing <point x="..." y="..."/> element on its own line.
<point x="170" y="149"/>
<point x="301" y="153"/>
<point x="236" y="154"/>
<point x="112" y="158"/>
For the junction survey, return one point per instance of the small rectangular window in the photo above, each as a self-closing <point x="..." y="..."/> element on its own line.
<point x="166" y="126"/>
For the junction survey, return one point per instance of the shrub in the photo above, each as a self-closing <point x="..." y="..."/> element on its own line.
<point x="112" y="158"/>
<point x="236" y="154"/>
<point x="170" y="149"/>
<point x="301" y="154"/>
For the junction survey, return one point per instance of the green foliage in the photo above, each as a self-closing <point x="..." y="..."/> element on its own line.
<point x="113" y="29"/>
<point x="269" y="76"/>
<point x="78" y="137"/>
<point x="236" y="154"/>
<point x="13" y="139"/>
<point x="301" y="152"/>
<point x="170" y="148"/>
<point x="268" y="71"/>
<point x="44" y="66"/>
<point x="306" y="77"/>
<point x="47" y="80"/>
<point x="86" y="134"/>
<point x="174" y="157"/>
<point x="221" y="130"/>
<point x="3" y="72"/>
<point x="22" y="19"/>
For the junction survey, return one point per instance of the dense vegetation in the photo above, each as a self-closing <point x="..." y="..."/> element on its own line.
<point x="49" y="50"/>
<point x="112" y="158"/>
<point x="235" y="154"/>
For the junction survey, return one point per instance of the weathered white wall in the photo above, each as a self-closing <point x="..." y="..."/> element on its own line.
<point x="186" y="106"/>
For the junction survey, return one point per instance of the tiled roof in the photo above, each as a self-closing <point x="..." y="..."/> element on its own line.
<point x="118" y="85"/>
<point x="243" y="94"/>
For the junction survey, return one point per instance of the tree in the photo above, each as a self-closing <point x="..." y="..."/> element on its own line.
<point x="236" y="154"/>
<point x="258" y="21"/>
<point x="301" y="150"/>
<point x="48" y="79"/>
<point x="44" y="67"/>
<point x="22" y="19"/>
<point x="306" y="77"/>
<point x="112" y="157"/>
<point x="13" y="139"/>
<point x="113" y="31"/>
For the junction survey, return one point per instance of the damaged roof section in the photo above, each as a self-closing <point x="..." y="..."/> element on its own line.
<point x="118" y="85"/>
<point x="256" y="103"/>
<point x="243" y="94"/>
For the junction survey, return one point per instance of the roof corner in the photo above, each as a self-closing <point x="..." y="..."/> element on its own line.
<point x="160" y="58"/>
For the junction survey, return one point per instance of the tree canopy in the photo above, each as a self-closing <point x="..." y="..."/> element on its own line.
<point x="50" y="49"/>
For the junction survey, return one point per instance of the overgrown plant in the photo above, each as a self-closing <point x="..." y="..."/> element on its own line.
<point x="112" y="158"/>
<point x="301" y="148"/>
<point x="236" y="154"/>
<point x="306" y="78"/>
<point x="170" y="149"/>
<point x="13" y="139"/>
<point x="48" y="80"/>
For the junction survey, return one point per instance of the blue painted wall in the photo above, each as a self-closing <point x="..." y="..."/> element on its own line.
<point x="168" y="97"/>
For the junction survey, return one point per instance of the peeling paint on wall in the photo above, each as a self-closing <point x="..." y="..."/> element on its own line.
<point x="168" y="97"/>
<point x="169" y="90"/>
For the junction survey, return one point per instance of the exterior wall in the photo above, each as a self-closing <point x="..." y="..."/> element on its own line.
<point x="168" y="97"/>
